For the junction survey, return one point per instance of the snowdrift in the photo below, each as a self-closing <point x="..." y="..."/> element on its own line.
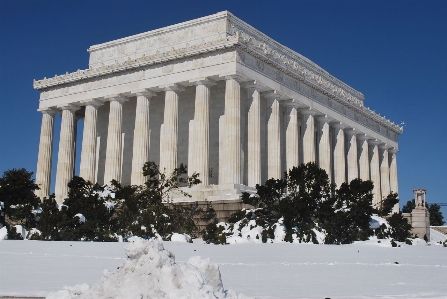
<point x="151" y="272"/>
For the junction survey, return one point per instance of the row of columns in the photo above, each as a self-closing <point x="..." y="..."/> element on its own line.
<point x="358" y="156"/>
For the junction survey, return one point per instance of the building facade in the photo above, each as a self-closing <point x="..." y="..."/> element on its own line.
<point x="218" y="95"/>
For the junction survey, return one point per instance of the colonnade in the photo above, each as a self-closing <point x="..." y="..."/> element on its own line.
<point x="309" y="136"/>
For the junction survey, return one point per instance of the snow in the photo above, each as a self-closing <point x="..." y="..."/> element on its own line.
<point x="81" y="217"/>
<point x="3" y="233"/>
<point x="279" y="270"/>
<point x="180" y="238"/>
<point x="151" y="272"/>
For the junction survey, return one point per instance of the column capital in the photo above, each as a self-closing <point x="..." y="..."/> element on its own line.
<point x="172" y="87"/>
<point x="71" y="107"/>
<point x="374" y="141"/>
<point x="393" y="150"/>
<point x="324" y="118"/>
<point x="239" y="77"/>
<point x="352" y="131"/>
<point x="50" y="110"/>
<point x="384" y="146"/>
<point x="293" y="103"/>
<point x="93" y="102"/>
<point x="255" y="85"/>
<point x="363" y="136"/>
<point x="143" y="92"/>
<point x="308" y="111"/>
<point x="116" y="97"/>
<point x="339" y="125"/>
<point x="203" y="81"/>
<point x="272" y="95"/>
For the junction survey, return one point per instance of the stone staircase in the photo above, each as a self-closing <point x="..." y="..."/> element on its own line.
<point x="438" y="233"/>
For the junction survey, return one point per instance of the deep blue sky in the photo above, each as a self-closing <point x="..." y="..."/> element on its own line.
<point x="394" y="52"/>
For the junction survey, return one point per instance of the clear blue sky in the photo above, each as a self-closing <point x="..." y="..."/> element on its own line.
<point x="394" y="52"/>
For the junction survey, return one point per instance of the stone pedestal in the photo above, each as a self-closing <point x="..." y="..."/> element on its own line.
<point x="420" y="222"/>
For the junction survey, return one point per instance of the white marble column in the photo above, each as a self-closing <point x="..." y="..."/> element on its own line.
<point x="88" y="153"/>
<point x="199" y="128"/>
<point x="141" y="136"/>
<point x="394" y="187"/>
<point x="363" y="156"/>
<point x="113" y="163"/>
<point x="384" y="170"/>
<point x="230" y="130"/>
<point x="273" y="136"/>
<point x="254" y="137"/>
<point x="339" y="154"/>
<point x="169" y="130"/>
<point x="324" y="144"/>
<point x="351" y="156"/>
<point x="65" y="158"/>
<point x="308" y="132"/>
<point x="375" y="170"/>
<point x="292" y="138"/>
<point x="43" y="173"/>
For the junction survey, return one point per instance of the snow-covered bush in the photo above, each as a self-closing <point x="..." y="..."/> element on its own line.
<point x="305" y="208"/>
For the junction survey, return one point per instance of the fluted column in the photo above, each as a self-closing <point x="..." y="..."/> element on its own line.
<point x="43" y="173"/>
<point x="88" y="153"/>
<point x="375" y="170"/>
<point x="199" y="128"/>
<point x="292" y="138"/>
<point x="393" y="175"/>
<point x="363" y="156"/>
<point x="230" y="163"/>
<point x="169" y="130"/>
<point x="114" y="140"/>
<point x="254" y="137"/>
<point x="384" y="170"/>
<point x="141" y="136"/>
<point x="352" y="159"/>
<point x="273" y="137"/>
<point x="65" y="158"/>
<point x="324" y="144"/>
<point x="339" y="154"/>
<point x="308" y="131"/>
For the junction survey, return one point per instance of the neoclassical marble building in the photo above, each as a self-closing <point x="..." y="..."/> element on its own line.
<point x="218" y="95"/>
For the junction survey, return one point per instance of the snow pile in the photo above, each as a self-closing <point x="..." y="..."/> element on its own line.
<point x="151" y="272"/>
<point x="183" y="238"/>
<point x="3" y="233"/>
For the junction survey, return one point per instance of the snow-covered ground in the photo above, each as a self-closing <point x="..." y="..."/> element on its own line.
<point x="361" y="270"/>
